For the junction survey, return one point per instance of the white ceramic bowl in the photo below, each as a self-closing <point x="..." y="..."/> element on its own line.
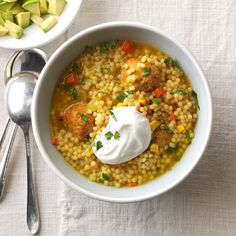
<point x="72" y="48"/>
<point x="35" y="37"/>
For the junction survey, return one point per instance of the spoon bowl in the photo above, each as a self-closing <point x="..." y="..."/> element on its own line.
<point x="19" y="97"/>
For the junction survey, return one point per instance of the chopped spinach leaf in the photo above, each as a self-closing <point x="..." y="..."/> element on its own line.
<point x="89" y="49"/>
<point x="130" y="92"/>
<point x="99" y="145"/>
<point x="156" y="100"/>
<point x="84" y="117"/>
<point x="73" y="92"/>
<point x="170" y="150"/>
<point x="109" y="135"/>
<point x="186" y="135"/>
<point x="121" y="96"/>
<point x="167" y="129"/>
<point x="106" y="177"/>
<point x="104" y="46"/>
<point x="147" y="71"/>
<point x="117" y="135"/>
<point x="171" y="62"/>
<point x="113" y="45"/>
<point x="113" y="116"/>
<point x="75" y="68"/>
<point x="194" y="94"/>
<point x="82" y="80"/>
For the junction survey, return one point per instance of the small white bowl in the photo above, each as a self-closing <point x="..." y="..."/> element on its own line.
<point x="70" y="50"/>
<point x="35" y="37"/>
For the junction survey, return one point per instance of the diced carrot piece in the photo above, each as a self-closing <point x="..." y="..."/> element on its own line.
<point x="159" y="92"/>
<point x="172" y="117"/>
<point x="54" y="141"/>
<point x="71" y="79"/>
<point x="128" y="46"/>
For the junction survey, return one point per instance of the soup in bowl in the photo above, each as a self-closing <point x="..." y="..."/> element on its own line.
<point x="122" y="112"/>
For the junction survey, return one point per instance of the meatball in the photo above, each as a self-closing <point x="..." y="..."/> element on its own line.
<point x="162" y="138"/>
<point x="78" y="122"/>
<point x="142" y="81"/>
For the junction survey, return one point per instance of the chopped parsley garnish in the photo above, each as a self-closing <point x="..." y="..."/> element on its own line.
<point x="99" y="145"/>
<point x="104" y="46"/>
<point x="89" y="49"/>
<point x="113" y="45"/>
<point x="104" y="70"/>
<point x="156" y="100"/>
<point x="186" y="135"/>
<point x="84" y="117"/>
<point x="171" y="62"/>
<point x="73" y="92"/>
<point x="121" y="96"/>
<point x="167" y="129"/>
<point x="113" y="116"/>
<point x="82" y="80"/>
<point x="194" y="94"/>
<point x="170" y="150"/>
<point x="106" y="177"/>
<point x="147" y="71"/>
<point x="75" y="68"/>
<point x="117" y="135"/>
<point x="130" y="92"/>
<point x="180" y="91"/>
<point x="109" y="135"/>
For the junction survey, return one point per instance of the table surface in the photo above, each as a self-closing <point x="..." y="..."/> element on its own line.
<point x="205" y="203"/>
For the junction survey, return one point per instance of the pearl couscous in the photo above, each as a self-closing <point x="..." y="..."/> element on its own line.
<point x="116" y="74"/>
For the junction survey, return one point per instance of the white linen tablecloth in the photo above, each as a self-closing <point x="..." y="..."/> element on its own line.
<point x="205" y="202"/>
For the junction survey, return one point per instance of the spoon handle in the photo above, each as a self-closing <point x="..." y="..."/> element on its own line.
<point x="4" y="132"/>
<point x="32" y="205"/>
<point x="5" y="160"/>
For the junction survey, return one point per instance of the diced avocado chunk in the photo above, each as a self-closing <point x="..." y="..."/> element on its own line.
<point x="23" y="19"/>
<point x="32" y="6"/>
<point x="9" y="0"/>
<point x="14" y="30"/>
<point x="3" y="30"/>
<point x="8" y="16"/>
<point x="6" y="6"/>
<point x="56" y="7"/>
<point x="2" y="22"/>
<point x="43" y="6"/>
<point x="17" y="9"/>
<point x="48" y="23"/>
<point x="37" y="19"/>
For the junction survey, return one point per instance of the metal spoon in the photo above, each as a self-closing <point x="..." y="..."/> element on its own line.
<point x="18" y="102"/>
<point x="30" y="61"/>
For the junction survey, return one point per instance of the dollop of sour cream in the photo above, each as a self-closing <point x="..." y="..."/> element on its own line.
<point x="127" y="135"/>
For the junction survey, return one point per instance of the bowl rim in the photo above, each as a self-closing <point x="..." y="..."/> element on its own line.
<point x="100" y="27"/>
